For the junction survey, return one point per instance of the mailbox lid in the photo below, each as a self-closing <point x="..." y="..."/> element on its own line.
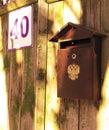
<point x="71" y="31"/>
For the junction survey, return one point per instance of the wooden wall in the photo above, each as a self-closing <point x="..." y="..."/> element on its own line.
<point x="31" y="77"/>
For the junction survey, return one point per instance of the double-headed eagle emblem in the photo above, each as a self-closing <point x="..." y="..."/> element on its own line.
<point x="73" y="71"/>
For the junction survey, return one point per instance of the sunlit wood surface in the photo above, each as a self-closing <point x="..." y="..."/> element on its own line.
<point x="30" y="74"/>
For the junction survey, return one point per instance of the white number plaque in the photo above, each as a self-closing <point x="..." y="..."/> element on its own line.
<point x="20" y="24"/>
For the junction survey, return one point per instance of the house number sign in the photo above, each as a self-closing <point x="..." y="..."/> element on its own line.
<point x="20" y="28"/>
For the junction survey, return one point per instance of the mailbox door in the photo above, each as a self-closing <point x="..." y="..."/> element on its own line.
<point x="75" y="72"/>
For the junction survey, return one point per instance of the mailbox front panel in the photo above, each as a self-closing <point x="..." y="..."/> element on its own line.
<point x="75" y="72"/>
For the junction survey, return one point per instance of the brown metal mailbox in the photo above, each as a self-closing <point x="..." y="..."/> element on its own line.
<point x="78" y="62"/>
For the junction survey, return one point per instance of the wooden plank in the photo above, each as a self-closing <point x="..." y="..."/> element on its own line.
<point x="14" y="5"/>
<point x="85" y="19"/>
<point x="95" y="14"/>
<point x="52" y="1"/>
<point x="98" y="6"/>
<point x="72" y="11"/>
<point x="105" y="29"/>
<point x="13" y="82"/>
<point x="52" y="112"/>
<point x="63" y="114"/>
<point x="41" y="44"/>
<point x="68" y="116"/>
<point x="28" y="89"/>
<point x="28" y="97"/>
<point x="103" y="116"/>
<point x="88" y="115"/>
<point x="91" y="13"/>
<point x="4" y="77"/>
<point x="20" y="83"/>
<point x="52" y="102"/>
<point x="88" y="108"/>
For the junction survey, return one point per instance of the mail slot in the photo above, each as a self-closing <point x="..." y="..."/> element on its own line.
<point x="78" y="62"/>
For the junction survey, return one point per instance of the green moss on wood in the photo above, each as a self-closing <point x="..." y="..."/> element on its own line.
<point x="41" y="74"/>
<point x="16" y="105"/>
<point x="61" y="118"/>
<point x="14" y="61"/>
<point x="27" y="54"/>
<point x="15" y="5"/>
<point x="15" y="112"/>
<point x="29" y="101"/>
<point x="66" y="104"/>
<point x="29" y="94"/>
<point x="6" y="62"/>
<point x="97" y="104"/>
<point x="52" y="1"/>
<point x="14" y="124"/>
<point x="40" y="120"/>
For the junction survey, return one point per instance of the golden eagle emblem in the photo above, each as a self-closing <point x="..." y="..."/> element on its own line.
<point x="73" y="71"/>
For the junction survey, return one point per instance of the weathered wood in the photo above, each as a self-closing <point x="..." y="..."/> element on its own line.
<point x="31" y="73"/>
<point x="92" y="18"/>
<point x="105" y="29"/>
<point x="41" y="64"/>
<point x="72" y="11"/>
<point x="13" y="81"/>
<point x="10" y="6"/>
<point x="70" y="14"/>
<point x="20" y="83"/>
<point x="67" y="118"/>
<point x="85" y="18"/>
<point x="103" y="116"/>
<point x="4" y="121"/>
<point x="87" y="120"/>
<point x="68" y="114"/>
<point x="52" y="102"/>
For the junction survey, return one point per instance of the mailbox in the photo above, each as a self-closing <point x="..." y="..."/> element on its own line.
<point x="78" y="62"/>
